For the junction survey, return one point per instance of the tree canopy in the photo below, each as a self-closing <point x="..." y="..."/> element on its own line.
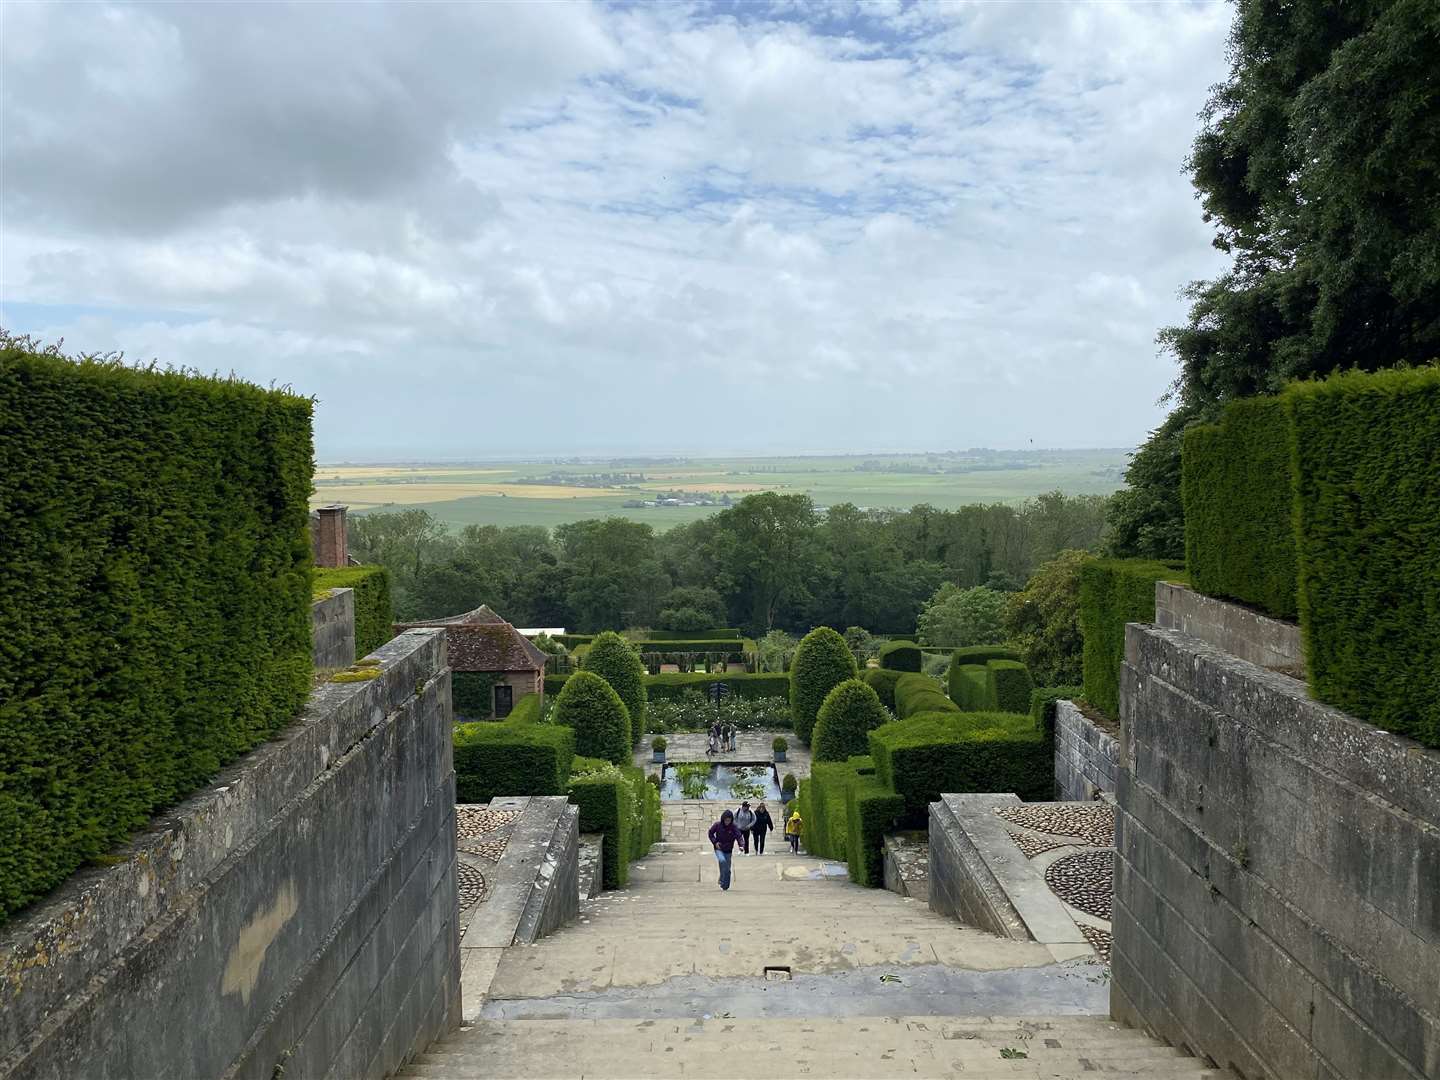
<point x="1318" y="162"/>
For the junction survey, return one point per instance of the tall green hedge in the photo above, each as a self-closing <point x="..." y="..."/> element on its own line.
<point x="822" y="661"/>
<point x="1367" y="467"/>
<point x="721" y="634"/>
<point x="1239" y="506"/>
<point x="590" y="705"/>
<point x="512" y="757"/>
<point x="374" y="617"/>
<point x="928" y="754"/>
<point x="901" y="656"/>
<point x="871" y="810"/>
<point x="920" y="693"/>
<point x="1114" y="592"/>
<point x="673" y="685"/>
<point x="1042" y="705"/>
<point x="848" y="715"/>
<point x="155" y="591"/>
<point x="883" y="683"/>
<point x="612" y="658"/>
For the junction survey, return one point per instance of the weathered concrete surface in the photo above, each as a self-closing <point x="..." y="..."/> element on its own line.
<point x="1087" y="757"/>
<point x="667" y="978"/>
<point x="332" y="629"/>
<point x="592" y="862"/>
<point x="979" y="876"/>
<point x="1276" y="901"/>
<point x="296" y="915"/>
<point x="1232" y="628"/>
<point x="907" y="864"/>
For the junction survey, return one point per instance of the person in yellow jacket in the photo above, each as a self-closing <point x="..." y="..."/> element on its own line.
<point x="794" y="826"/>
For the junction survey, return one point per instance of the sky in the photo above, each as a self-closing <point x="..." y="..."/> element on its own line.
<point x="486" y="230"/>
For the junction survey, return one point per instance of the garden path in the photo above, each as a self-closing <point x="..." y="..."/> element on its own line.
<point x="668" y="978"/>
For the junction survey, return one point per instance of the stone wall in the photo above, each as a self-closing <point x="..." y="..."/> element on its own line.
<point x="1234" y="629"/>
<point x="1087" y="757"/>
<point x="296" y="918"/>
<point x="1277" y="895"/>
<point x="332" y="629"/>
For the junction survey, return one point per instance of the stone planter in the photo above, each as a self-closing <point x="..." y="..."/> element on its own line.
<point x="779" y="756"/>
<point x="659" y="757"/>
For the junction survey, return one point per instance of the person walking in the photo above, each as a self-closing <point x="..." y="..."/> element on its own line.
<point x="764" y="823"/>
<point x="734" y="731"/>
<point x="745" y="821"/>
<point x="723" y="838"/>
<point x="793" y="828"/>
<point x="714" y="738"/>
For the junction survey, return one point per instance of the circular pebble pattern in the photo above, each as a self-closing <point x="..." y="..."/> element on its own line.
<point x="1085" y="880"/>
<point x="473" y="889"/>
<point x="1099" y="941"/>
<point x="1094" y="822"/>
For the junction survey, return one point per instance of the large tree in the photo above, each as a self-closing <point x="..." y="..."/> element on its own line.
<point x="1318" y="162"/>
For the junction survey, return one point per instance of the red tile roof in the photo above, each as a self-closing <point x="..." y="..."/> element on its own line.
<point x="480" y="640"/>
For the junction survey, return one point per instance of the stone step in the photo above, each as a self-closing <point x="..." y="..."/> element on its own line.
<point x="1058" y="1047"/>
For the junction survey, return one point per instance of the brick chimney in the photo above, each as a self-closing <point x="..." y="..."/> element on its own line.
<point x="331" y="545"/>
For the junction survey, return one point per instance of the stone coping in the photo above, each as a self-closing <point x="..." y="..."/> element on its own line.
<point x="1234" y="628"/>
<point x="48" y="951"/>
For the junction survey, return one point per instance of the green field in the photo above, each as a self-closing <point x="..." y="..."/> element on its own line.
<point x="520" y="493"/>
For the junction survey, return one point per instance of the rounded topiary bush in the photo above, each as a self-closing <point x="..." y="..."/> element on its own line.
<point x="590" y="706"/>
<point x="615" y="660"/>
<point x="849" y="713"/>
<point x="822" y="661"/>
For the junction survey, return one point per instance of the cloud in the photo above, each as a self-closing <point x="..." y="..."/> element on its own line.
<point x="490" y="229"/>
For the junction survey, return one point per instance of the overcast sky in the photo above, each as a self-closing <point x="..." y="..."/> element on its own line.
<point x="475" y="230"/>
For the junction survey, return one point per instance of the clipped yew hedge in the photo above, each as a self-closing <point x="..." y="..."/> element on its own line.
<point x="374" y="617"/>
<point x="847" y="811"/>
<point x="1367" y="505"/>
<point x="673" y="685"/>
<point x="920" y="693"/>
<point x="1114" y="592"/>
<point x="901" y="656"/>
<point x="614" y="660"/>
<point x="928" y="754"/>
<point x="155" y="592"/>
<point x="618" y="802"/>
<point x="970" y="657"/>
<point x="842" y="729"/>
<point x="516" y="756"/>
<point x="883" y="683"/>
<point x="1008" y="685"/>
<point x="1239" y="504"/>
<point x="590" y="706"/>
<point x="822" y="661"/>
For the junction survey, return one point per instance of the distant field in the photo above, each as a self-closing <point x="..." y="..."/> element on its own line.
<point x="507" y="493"/>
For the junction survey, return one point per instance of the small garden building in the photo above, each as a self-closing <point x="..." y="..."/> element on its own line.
<point x="493" y="663"/>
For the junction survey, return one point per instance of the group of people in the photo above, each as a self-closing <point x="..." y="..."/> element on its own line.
<point x="745" y="827"/>
<point x="722" y="737"/>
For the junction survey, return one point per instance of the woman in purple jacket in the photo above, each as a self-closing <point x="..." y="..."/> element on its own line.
<point x="723" y="837"/>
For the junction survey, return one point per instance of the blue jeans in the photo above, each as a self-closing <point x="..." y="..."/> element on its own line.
<point x="724" y="857"/>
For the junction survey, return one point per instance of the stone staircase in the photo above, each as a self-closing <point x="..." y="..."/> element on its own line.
<point x="795" y="972"/>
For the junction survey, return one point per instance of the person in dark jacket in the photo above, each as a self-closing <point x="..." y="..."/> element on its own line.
<point x="723" y="837"/>
<point x="763" y="824"/>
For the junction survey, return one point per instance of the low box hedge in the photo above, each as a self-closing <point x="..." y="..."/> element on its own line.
<point x="915" y="693"/>
<point x="1114" y="592"/>
<point x="970" y="688"/>
<point x="721" y="634"/>
<point x="512" y="757"/>
<point x="883" y="681"/>
<point x="901" y="656"/>
<point x="672" y="686"/>
<point x="1239" y="499"/>
<point x="970" y="657"/>
<point x="1367" y="468"/>
<point x="928" y="754"/>
<point x="374" y="617"/>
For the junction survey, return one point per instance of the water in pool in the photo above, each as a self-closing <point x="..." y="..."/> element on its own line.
<point x="700" y="780"/>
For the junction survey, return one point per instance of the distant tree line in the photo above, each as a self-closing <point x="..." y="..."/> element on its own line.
<point x="770" y="562"/>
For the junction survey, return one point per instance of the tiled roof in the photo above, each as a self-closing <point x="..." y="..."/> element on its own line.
<point x="480" y="640"/>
